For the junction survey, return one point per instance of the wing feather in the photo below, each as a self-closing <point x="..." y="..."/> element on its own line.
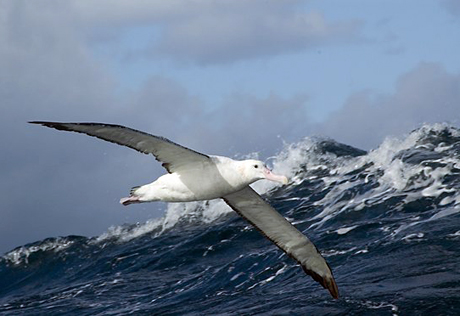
<point x="173" y="156"/>
<point x="250" y="205"/>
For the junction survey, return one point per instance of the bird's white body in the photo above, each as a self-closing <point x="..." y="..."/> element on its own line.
<point x="200" y="181"/>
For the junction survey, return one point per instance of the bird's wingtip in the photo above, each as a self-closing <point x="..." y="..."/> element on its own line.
<point x="44" y="123"/>
<point x="56" y="125"/>
<point x="331" y="286"/>
<point x="326" y="281"/>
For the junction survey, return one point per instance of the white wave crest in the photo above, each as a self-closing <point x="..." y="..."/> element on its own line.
<point x="21" y="255"/>
<point x="395" y="177"/>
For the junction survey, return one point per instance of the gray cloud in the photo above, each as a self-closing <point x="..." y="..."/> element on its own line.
<point x="238" y="30"/>
<point x="213" y="32"/>
<point x="426" y="94"/>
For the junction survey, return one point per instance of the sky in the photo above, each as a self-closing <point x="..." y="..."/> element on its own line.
<point x="228" y="77"/>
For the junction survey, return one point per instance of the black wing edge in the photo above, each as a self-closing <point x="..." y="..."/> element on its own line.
<point x="62" y="127"/>
<point x="327" y="283"/>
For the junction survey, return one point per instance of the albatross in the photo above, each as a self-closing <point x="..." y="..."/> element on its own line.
<point x="193" y="176"/>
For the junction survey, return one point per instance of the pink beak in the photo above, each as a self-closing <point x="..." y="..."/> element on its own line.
<point x="274" y="177"/>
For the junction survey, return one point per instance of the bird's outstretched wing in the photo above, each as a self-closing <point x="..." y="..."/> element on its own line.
<point x="276" y="228"/>
<point x="172" y="156"/>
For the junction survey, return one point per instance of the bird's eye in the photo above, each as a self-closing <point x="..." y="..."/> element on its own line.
<point x="256" y="166"/>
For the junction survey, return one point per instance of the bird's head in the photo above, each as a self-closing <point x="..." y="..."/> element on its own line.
<point x="257" y="170"/>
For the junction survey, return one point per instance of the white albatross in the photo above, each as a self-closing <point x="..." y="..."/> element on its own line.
<point x="193" y="176"/>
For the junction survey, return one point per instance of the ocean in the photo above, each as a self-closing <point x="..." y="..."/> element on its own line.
<point x="387" y="221"/>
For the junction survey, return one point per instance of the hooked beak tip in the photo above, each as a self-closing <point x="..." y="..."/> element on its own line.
<point x="284" y="180"/>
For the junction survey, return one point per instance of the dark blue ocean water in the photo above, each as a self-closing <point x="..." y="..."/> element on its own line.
<point x="387" y="221"/>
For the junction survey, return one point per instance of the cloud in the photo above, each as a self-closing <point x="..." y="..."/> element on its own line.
<point x="239" y="30"/>
<point x="426" y="94"/>
<point x="164" y="105"/>
<point x="44" y="64"/>
<point x="215" y="32"/>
